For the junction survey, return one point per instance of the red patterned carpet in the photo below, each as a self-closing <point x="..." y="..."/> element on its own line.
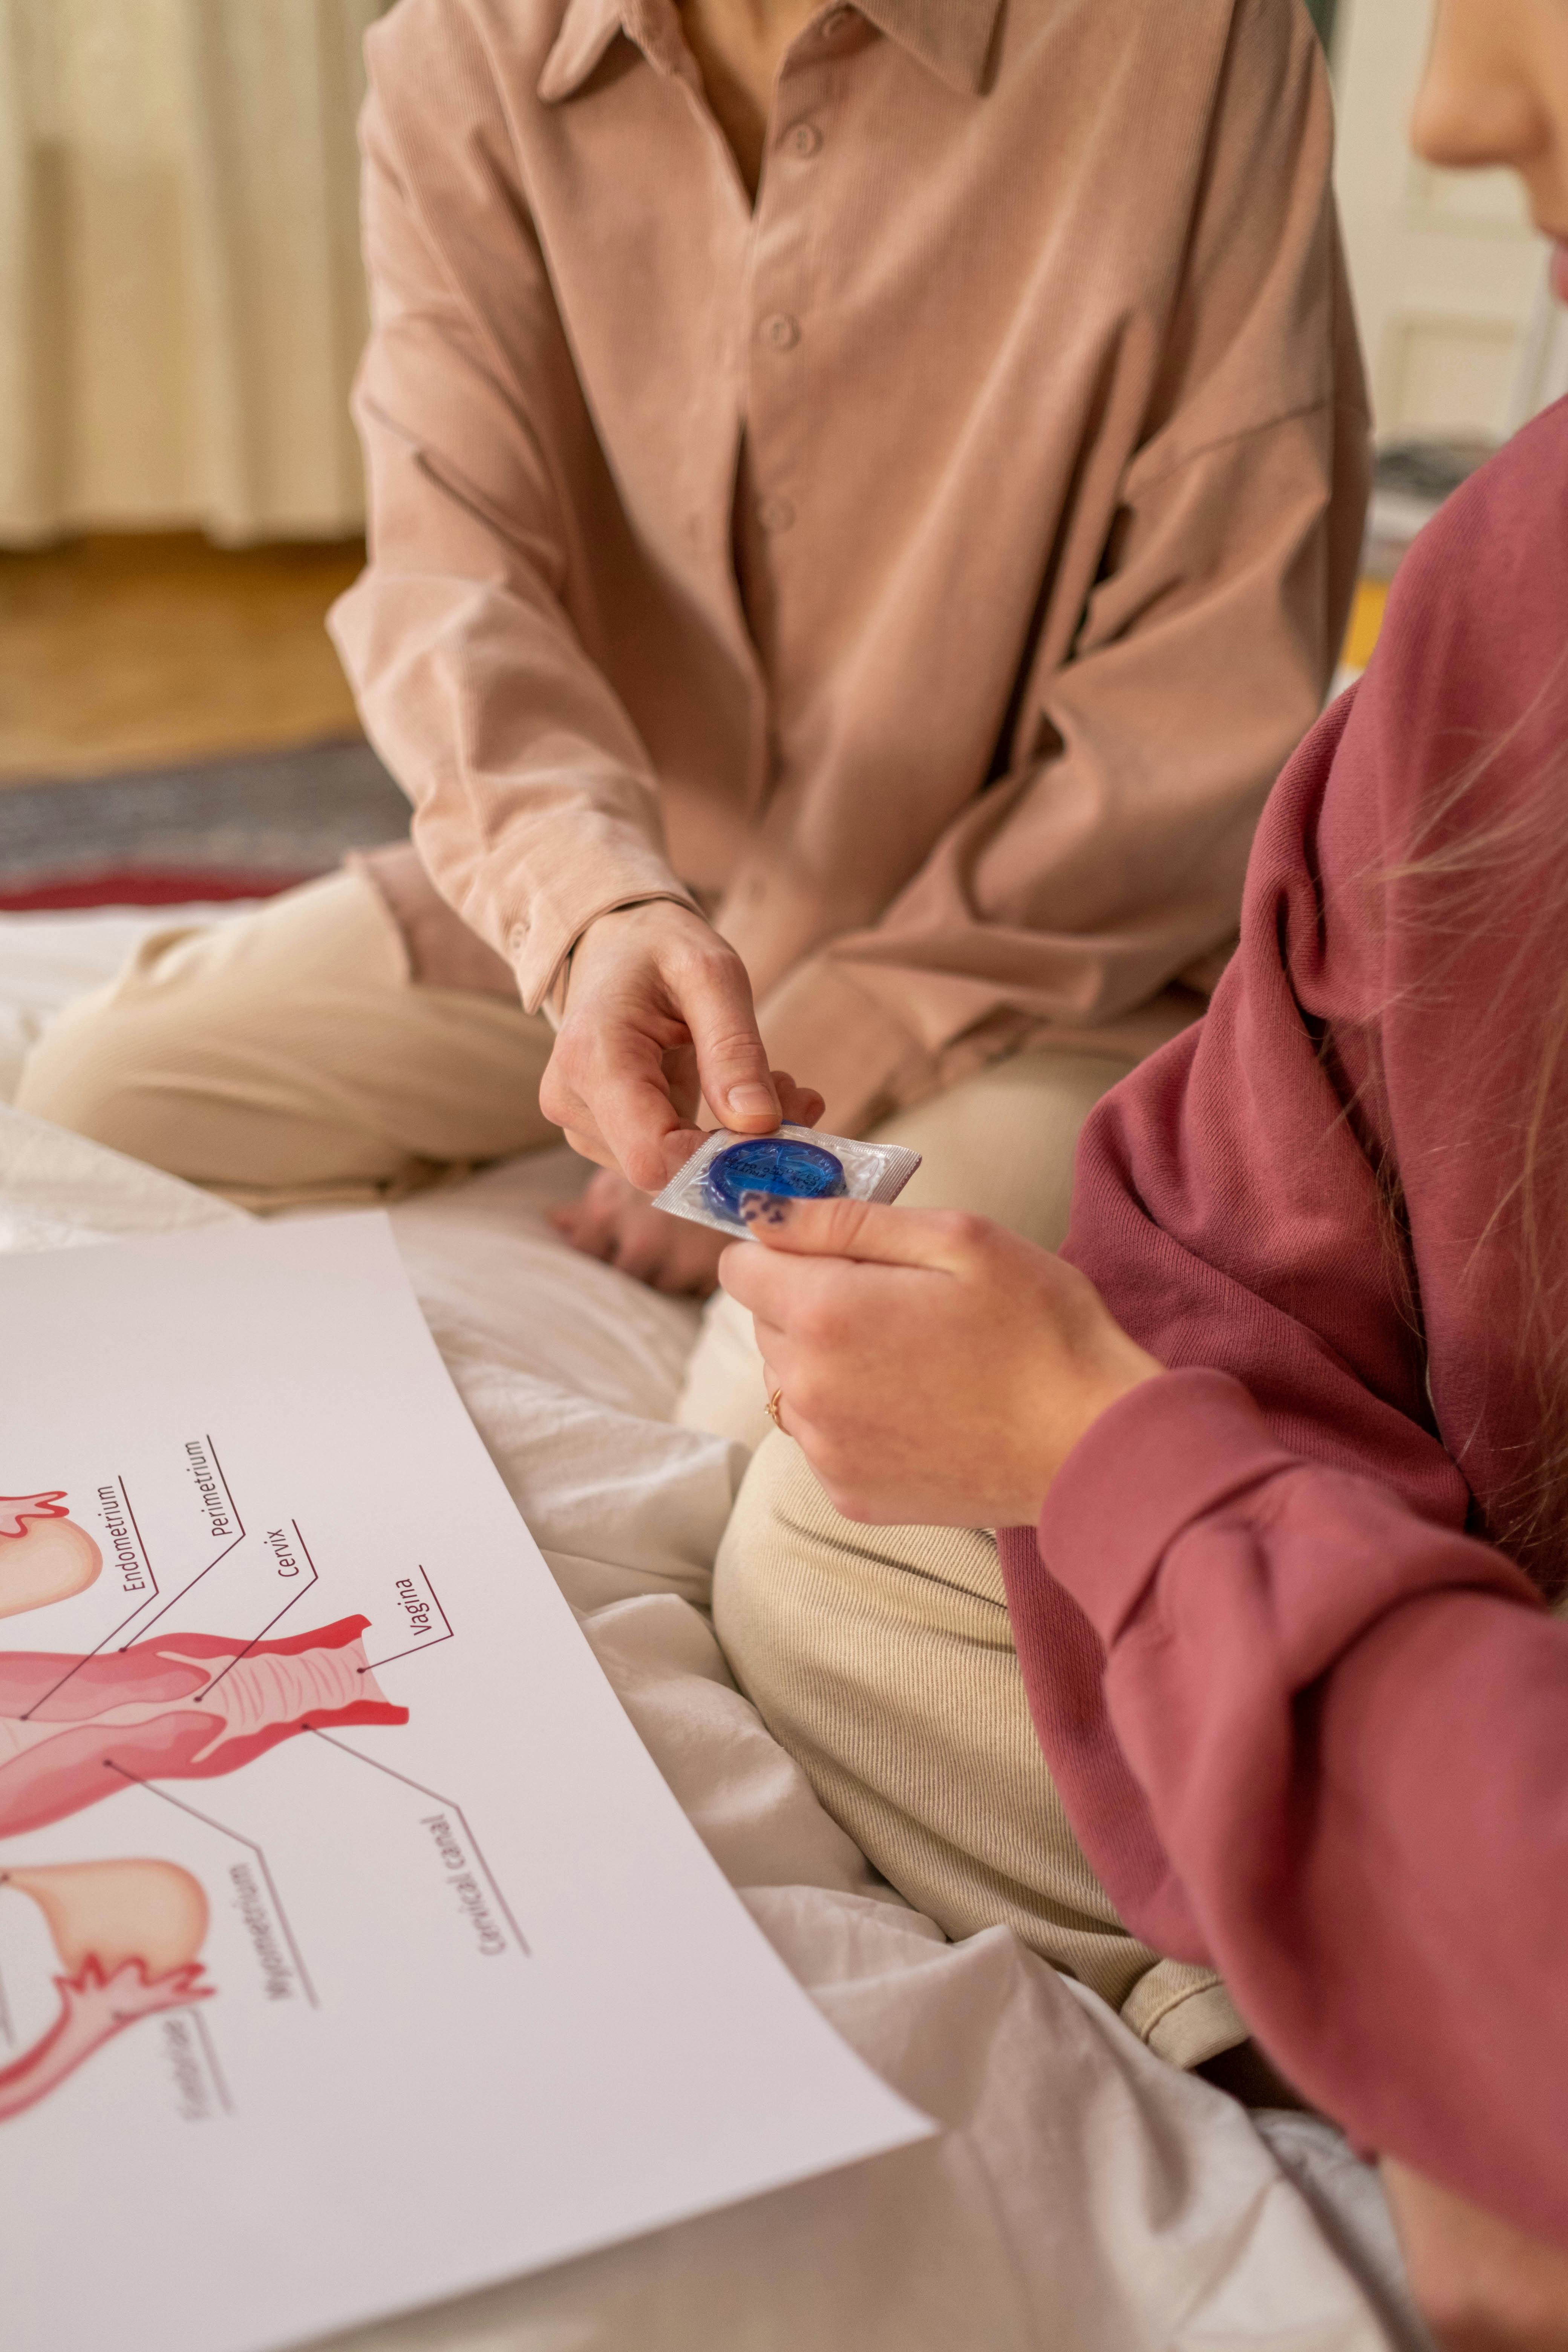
<point x="236" y="829"/>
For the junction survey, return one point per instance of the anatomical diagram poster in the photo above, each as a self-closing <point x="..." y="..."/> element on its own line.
<point x="352" y="1952"/>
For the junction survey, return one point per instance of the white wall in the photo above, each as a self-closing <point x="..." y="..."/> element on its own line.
<point x="1448" y="276"/>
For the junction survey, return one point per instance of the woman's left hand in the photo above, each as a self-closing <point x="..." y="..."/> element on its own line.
<point x="935" y="1369"/>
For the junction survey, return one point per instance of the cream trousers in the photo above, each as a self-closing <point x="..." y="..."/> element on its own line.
<point x="289" y="1057"/>
<point x="882" y="1659"/>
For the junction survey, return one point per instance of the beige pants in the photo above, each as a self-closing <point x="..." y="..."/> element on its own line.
<point x="291" y="1058"/>
<point x="882" y="1659"/>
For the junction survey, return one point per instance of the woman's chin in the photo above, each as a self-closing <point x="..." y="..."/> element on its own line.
<point x="1560" y="269"/>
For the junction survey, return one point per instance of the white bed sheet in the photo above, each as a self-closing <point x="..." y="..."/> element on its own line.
<point x="1084" y="2194"/>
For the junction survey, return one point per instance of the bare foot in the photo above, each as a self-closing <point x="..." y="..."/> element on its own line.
<point x="614" y="1220"/>
<point x="1482" y="2285"/>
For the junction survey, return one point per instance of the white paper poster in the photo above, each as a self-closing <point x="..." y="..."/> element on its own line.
<point x="352" y="1952"/>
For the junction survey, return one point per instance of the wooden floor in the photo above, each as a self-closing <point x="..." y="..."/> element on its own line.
<point x="138" y="652"/>
<point x="121" y="653"/>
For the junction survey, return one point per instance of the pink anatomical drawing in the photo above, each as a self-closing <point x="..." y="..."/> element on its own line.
<point x="129" y="1935"/>
<point x="44" y="1555"/>
<point x="184" y="1706"/>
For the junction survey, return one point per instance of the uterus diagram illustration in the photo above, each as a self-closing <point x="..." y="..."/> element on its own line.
<point x="129" y="1935"/>
<point x="183" y="1706"/>
<point x="44" y="1556"/>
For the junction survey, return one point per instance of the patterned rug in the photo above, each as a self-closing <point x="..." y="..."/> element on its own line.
<point x="236" y="829"/>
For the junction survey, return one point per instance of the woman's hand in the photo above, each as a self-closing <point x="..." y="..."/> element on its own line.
<point x="658" y="1017"/>
<point x="935" y="1369"/>
<point x="615" y="1222"/>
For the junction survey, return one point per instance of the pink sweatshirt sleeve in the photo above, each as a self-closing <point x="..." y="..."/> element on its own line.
<point x="1311" y="1727"/>
<point x="1349" y="1728"/>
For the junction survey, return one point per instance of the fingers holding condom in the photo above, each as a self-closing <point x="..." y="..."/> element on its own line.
<point x="935" y="1368"/>
<point x="658" y="1015"/>
<point x="834" y="1296"/>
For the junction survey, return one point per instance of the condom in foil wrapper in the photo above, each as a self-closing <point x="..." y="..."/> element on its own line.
<point x="794" y="1163"/>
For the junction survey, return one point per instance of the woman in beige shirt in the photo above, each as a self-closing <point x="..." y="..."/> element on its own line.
<point x="863" y="500"/>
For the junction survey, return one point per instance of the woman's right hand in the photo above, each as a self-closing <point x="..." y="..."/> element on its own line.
<point x="658" y="1017"/>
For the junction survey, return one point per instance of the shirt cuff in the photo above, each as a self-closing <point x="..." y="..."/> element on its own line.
<point x="552" y="1004"/>
<point x="532" y="893"/>
<point x="540" y="951"/>
<point x="1194" y="1440"/>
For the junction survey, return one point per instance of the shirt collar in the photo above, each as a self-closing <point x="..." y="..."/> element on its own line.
<point x="951" y="36"/>
<point x="586" y="31"/>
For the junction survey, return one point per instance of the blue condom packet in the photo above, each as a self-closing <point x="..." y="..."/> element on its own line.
<point x="795" y="1162"/>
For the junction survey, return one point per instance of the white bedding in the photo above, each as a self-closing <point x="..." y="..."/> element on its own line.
<point x="1084" y="2194"/>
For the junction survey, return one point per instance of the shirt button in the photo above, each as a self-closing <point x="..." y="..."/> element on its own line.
<point x="775" y="514"/>
<point x="803" y="140"/>
<point x="836" y="21"/>
<point x="781" y="331"/>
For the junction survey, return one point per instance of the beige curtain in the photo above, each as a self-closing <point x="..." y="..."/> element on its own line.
<point x="181" y="303"/>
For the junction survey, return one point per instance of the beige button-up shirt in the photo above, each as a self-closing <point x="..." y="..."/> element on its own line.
<point x="927" y="569"/>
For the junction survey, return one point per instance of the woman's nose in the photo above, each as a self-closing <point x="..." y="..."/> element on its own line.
<point x="1476" y="105"/>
